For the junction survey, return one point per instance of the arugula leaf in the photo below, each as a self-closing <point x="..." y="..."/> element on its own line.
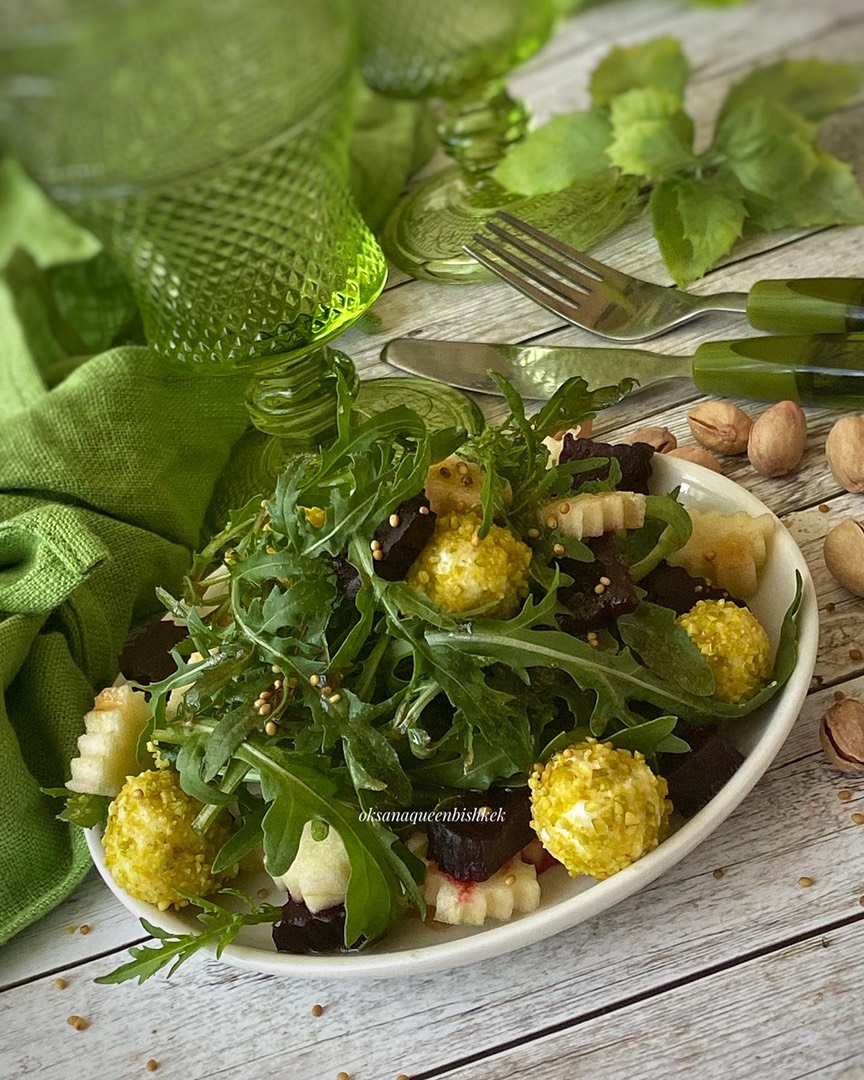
<point x="83" y="810"/>
<point x="666" y="648"/>
<point x="767" y="146"/>
<point x="567" y="149"/>
<point x="220" y="928"/>
<point x="697" y="222"/>
<point x="811" y="88"/>
<point x="651" y="134"/>
<point x="678" y="527"/>
<point x="652" y="737"/>
<point x="659" y="64"/>
<point x="298" y="791"/>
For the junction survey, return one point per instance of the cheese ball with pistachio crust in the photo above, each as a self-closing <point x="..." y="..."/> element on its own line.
<point x="598" y="809"/>
<point x="151" y="849"/>
<point x="461" y="572"/>
<point x="735" y="644"/>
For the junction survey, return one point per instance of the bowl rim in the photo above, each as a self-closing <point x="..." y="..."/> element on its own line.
<point x="496" y="939"/>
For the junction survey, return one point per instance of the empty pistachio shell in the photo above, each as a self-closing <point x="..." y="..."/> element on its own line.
<point x="844" y="450"/>
<point x="720" y="426"/>
<point x="778" y="439"/>
<point x="699" y="455"/>
<point x="841" y="733"/>
<point x="660" y="438"/>
<point x="843" y="552"/>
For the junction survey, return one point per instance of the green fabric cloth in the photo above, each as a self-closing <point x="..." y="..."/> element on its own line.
<point x="104" y="486"/>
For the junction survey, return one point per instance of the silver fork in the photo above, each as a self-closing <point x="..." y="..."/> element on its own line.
<point x="584" y="291"/>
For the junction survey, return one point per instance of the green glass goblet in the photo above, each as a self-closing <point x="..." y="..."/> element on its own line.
<point x="459" y="52"/>
<point x="206" y="146"/>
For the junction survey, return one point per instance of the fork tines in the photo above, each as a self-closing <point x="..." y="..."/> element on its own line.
<point x="568" y="291"/>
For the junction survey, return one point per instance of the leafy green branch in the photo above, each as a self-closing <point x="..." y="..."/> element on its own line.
<point x="764" y="168"/>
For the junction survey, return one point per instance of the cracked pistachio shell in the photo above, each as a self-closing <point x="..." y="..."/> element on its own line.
<point x="720" y="426"/>
<point x="841" y="733"/>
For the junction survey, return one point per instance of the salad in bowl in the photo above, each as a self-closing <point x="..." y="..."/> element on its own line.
<point x="436" y="669"/>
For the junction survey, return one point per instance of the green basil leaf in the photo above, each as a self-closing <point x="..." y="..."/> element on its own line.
<point x="652" y="135"/>
<point x="659" y="64"/>
<point x="697" y="223"/>
<point x="568" y="148"/>
<point x="811" y="88"/>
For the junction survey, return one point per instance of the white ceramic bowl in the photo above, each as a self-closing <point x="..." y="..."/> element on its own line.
<point x="415" y="947"/>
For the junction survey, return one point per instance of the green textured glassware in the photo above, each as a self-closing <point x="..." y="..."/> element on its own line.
<point x="459" y="52"/>
<point x="206" y="146"/>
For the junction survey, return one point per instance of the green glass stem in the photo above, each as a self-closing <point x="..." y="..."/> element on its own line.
<point x="478" y="129"/>
<point x="296" y="401"/>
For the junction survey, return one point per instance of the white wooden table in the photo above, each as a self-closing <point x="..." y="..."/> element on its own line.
<point x="726" y="967"/>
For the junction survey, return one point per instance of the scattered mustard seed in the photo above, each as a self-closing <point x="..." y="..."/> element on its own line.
<point x="510" y="879"/>
<point x="344" y="1075"/>
<point x="317" y="1010"/>
<point x="830" y="606"/>
<point x="719" y="873"/>
<point x="844" y="795"/>
<point x="85" y="929"/>
<point x="402" y="1076"/>
<point x="824" y="508"/>
<point x="71" y="929"/>
<point x="839" y="695"/>
<point x="78" y="1022"/>
<point x="806" y="882"/>
<point x="263" y="894"/>
<point x="855" y="654"/>
<point x="858" y="819"/>
<point x="60" y="984"/>
<point x="152" y="1065"/>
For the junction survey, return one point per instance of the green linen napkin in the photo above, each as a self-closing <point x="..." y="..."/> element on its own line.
<point x="104" y="485"/>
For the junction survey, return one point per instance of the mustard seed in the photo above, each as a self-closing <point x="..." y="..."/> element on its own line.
<point x="78" y="1022"/>
<point x="839" y="695"/>
<point x="317" y="1010"/>
<point x="824" y="508"/>
<point x="152" y="1065"/>
<point x="830" y="606"/>
<point x="344" y="1075"/>
<point x="855" y="654"/>
<point x="719" y="873"/>
<point x="60" y="984"/>
<point x="85" y="930"/>
<point x="263" y="894"/>
<point x="844" y="795"/>
<point x="858" y="819"/>
<point x="402" y="1076"/>
<point x="806" y="882"/>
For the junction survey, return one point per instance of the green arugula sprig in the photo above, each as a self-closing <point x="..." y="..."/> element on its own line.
<point x="763" y="170"/>
<point x="220" y="927"/>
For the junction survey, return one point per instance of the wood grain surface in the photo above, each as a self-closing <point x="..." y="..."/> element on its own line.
<point x="709" y="974"/>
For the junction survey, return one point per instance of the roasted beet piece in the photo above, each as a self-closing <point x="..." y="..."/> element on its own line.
<point x="696" y="777"/>
<point x="399" y="545"/>
<point x="299" y="931"/>
<point x="634" y="459"/>
<point x="473" y="850"/>
<point x="673" y="587"/>
<point x="146" y="657"/>
<point x="402" y="543"/>
<point x="592" y="610"/>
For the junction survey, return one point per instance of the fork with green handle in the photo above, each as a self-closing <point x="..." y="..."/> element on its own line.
<point x="619" y="307"/>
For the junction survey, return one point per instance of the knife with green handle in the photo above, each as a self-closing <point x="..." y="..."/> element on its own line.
<point x="822" y="369"/>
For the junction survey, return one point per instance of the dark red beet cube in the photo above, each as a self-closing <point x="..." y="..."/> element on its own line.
<point x="299" y="931"/>
<point x="634" y="459"/>
<point x="475" y="848"/>
<point x="673" y="587"/>
<point x="696" y="777"/>
<point x="589" y="609"/>
<point x="146" y="657"/>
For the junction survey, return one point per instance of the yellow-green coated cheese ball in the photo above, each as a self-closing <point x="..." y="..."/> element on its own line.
<point x="151" y="849"/>
<point x="598" y="809"/>
<point x="735" y="644"/>
<point x="461" y="572"/>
